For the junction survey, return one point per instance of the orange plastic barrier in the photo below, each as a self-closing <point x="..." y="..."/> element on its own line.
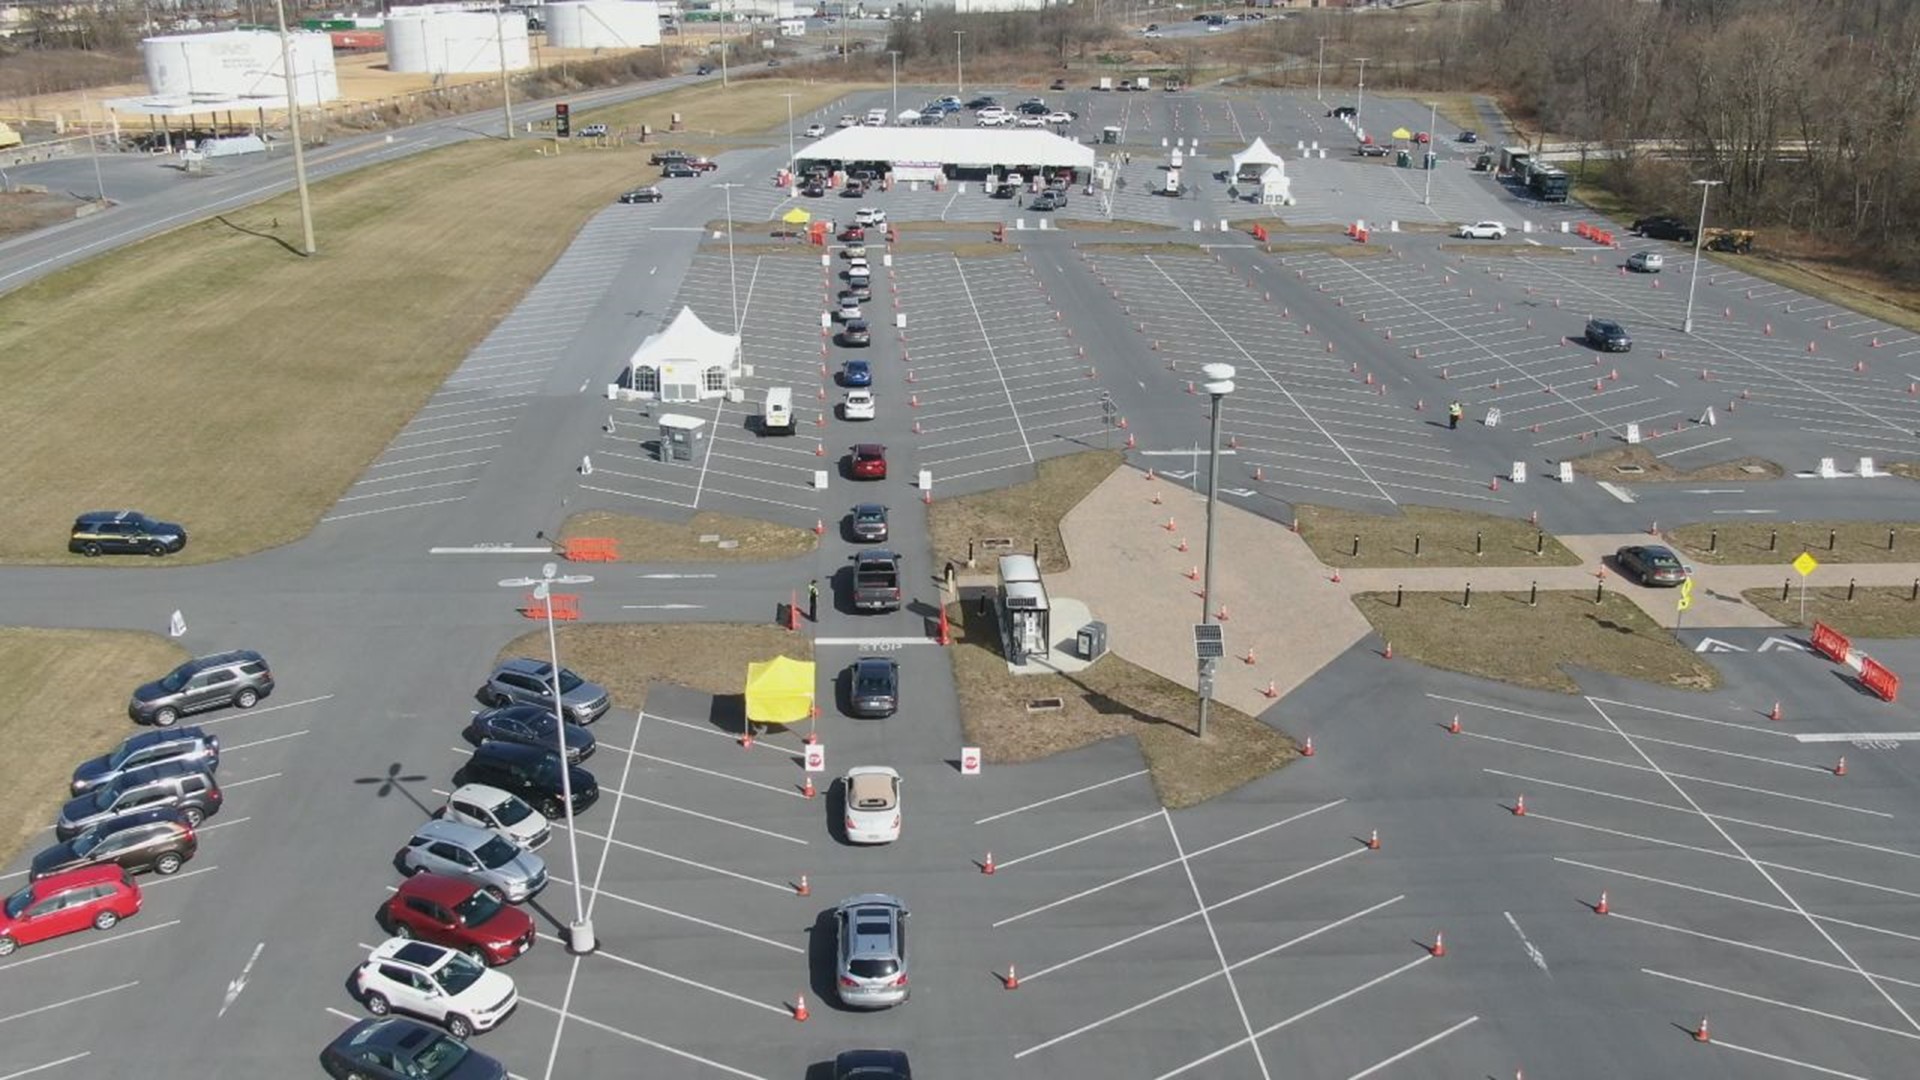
<point x="1831" y="643"/>
<point x="1260" y="233"/>
<point x="1878" y="679"/>
<point x="592" y="549"/>
<point x="566" y="607"/>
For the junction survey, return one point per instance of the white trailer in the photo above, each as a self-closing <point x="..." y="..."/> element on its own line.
<point x="1025" y="611"/>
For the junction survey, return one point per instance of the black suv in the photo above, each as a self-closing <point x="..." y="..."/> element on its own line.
<point x="156" y="840"/>
<point x="1608" y="336"/>
<point x="1664" y="227"/>
<point x="175" y="784"/>
<point x="190" y="744"/>
<point x="669" y="157"/>
<point x="1343" y="110"/>
<point x="239" y="678"/>
<point x="531" y="773"/>
<point x="124" y="532"/>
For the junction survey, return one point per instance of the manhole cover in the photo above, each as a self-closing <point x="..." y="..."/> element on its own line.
<point x="1629" y="470"/>
<point x="1046" y="704"/>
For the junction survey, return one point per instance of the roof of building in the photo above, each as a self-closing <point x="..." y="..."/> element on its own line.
<point x="965" y="147"/>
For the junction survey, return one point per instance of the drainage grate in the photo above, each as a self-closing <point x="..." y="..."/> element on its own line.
<point x="1046" y="704"/>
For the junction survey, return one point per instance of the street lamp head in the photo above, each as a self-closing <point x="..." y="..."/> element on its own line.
<point x="549" y="570"/>
<point x="1219" y="379"/>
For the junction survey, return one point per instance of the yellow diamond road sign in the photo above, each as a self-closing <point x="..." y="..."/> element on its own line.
<point x="1805" y="564"/>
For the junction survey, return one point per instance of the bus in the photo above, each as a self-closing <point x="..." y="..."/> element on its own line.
<point x="1513" y="159"/>
<point x="1546" y="183"/>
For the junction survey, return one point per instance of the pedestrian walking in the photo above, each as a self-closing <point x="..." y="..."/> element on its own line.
<point x="1454" y="412"/>
<point x="813" y="600"/>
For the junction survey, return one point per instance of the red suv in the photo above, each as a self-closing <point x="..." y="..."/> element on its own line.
<point x="869" y="462"/>
<point x="459" y="915"/>
<point x="96" y="896"/>
<point x="853" y="234"/>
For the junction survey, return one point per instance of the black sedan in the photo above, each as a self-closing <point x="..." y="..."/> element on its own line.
<point x="1650" y="565"/>
<point x="393" y="1048"/>
<point x="1664" y="227"/>
<point x="647" y="194"/>
<point x="874" y="686"/>
<point x="528" y="725"/>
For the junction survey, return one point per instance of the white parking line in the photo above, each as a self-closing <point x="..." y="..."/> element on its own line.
<point x="1082" y="839"/>
<point x="1057" y="798"/>
<point x="1411" y="1050"/>
<point x="722" y="927"/>
<point x="262" y="710"/>
<point x="69" y="1001"/>
<point x="98" y="941"/>
<point x="986" y="341"/>
<point x="718" y="774"/>
<point x="1220" y="954"/>
<point x="705" y="817"/>
<point x="250" y="780"/>
<point x="1722" y="1044"/>
<point x="391" y="509"/>
<point x="777" y="1010"/>
<point x="644" y="850"/>
<point x="1753" y="728"/>
<point x="1614" y="912"/>
<point x="1783" y="1004"/>
<point x="263" y="742"/>
<point x="68" y="1060"/>
<point x="1717" y="894"/>
<point x="565" y="1015"/>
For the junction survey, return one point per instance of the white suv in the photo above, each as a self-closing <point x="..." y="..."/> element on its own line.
<point x="867" y="217"/>
<point x="437" y="983"/>
<point x="1483" y="230"/>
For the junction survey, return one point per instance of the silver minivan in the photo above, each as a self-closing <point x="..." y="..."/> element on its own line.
<point x="873" y="951"/>
<point x="473" y="854"/>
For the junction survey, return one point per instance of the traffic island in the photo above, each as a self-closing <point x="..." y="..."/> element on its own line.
<point x="706" y="537"/>
<point x="56" y="673"/>
<point x="1014" y="519"/>
<point x="1531" y="639"/>
<point x="1020" y="718"/>
<point x="1868" y="611"/>
<point x="1742" y="542"/>
<point x="1638" y="465"/>
<point x="1422" y="536"/>
<point x="629" y="658"/>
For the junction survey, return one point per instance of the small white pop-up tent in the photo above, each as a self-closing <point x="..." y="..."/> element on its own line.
<point x="1275" y="188"/>
<point x="1254" y="161"/>
<point x="687" y="360"/>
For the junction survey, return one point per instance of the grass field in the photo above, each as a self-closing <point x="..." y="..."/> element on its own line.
<point x="1874" y="611"/>
<point x="60" y="711"/>
<point x="646" y="540"/>
<point x="1739" y="542"/>
<point x="1501" y="638"/>
<point x="748" y="107"/>
<point x="1447" y="538"/>
<point x="1024" y="513"/>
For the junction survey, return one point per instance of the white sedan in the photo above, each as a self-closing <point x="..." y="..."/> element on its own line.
<point x="814" y="131"/>
<point x="873" y="805"/>
<point x="857" y="406"/>
<point x="996" y="120"/>
<point x="1031" y="121"/>
<point x="1059" y="118"/>
<point x="849" y="309"/>
<point x="1483" y="230"/>
<point x="436" y="983"/>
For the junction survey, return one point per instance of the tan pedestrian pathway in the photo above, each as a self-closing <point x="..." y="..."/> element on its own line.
<point x="1283" y="605"/>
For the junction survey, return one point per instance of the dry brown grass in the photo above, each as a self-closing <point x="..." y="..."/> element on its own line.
<point x="748" y="107"/>
<point x="1817" y="266"/>
<point x="629" y="658"/>
<point x="1741" y="542"/>
<point x="80" y="677"/>
<point x="1447" y="538"/>
<point x="1605" y="465"/>
<point x="1501" y="638"/>
<point x="1026" y="513"/>
<point x="1111" y="699"/>
<point x="646" y="540"/>
<point x="25" y="211"/>
<point x="311" y="365"/>
<point x="1874" y="611"/>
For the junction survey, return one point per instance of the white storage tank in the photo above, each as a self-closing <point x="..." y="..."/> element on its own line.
<point x="603" y="24"/>
<point x="452" y="42"/>
<point x="239" y="64"/>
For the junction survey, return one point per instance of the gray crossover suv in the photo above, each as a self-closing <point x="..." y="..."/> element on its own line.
<point x="239" y="678"/>
<point x="189" y="744"/>
<point x="169" y="784"/>
<point x="873" y="951"/>
<point x="529" y="682"/>
<point x="477" y="855"/>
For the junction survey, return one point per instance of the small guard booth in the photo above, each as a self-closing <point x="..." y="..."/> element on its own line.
<point x="686" y="361"/>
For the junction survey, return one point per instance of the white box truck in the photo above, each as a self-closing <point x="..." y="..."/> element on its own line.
<point x="1106" y="83"/>
<point x="1142" y="83"/>
<point x="776" y="416"/>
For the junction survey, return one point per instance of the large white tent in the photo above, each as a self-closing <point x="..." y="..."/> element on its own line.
<point x="1253" y="162"/>
<point x="924" y="153"/>
<point x="687" y="360"/>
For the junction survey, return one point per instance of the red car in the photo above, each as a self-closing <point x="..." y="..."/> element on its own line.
<point x="66" y="903"/>
<point x="701" y="164"/>
<point x="868" y="461"/>
<point x="852" y="234"/>
<point x="459" y="915"/>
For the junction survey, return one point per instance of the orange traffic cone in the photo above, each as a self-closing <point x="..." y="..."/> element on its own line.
<point x="807" y="788"/>
<point x="1182" y="546"/>
<point x="1373" y="841"/>
<point x="800" y="1008"/>
<point x="1841" y="768"/>
<point x="987" y="867"/>
<point x="1775" y="714"/>
<point x="1454" y="728"/>
<point x="1012" y="981"/>
<point x="1601" y="907"/>
<point x="1271" y="690"/>
<point x="1520" y="806"/>
<point x="1387" y="653"/>
<point x="1439" y="946"/>
<point x="746" y="739"/>
<point x="819" y="527"/>
<point x="803" y="889"/>
<point x="1700" y="1034"/>
<point x="1307" y="750"/>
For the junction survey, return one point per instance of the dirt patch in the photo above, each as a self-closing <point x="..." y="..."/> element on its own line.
<point x="1500" y="637"/>
<point x="1641" y="467"/>
<point x="58" y="673"/>
<point x="25" y="211"/>
<point x="1026" y="514"/>
<point x="628" y="659"/>
<point x="1873" y="612"/>
<point x="646" y="540"/>
<point x="1446" y="538"/>
<point x="1111" y="699"/>
<point x="1501" y="251"/>
<point x="1741" y="542"/>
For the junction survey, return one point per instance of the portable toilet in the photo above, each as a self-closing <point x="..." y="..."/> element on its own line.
<point x="1110" y="135"/>
<point x="682" y="438"/>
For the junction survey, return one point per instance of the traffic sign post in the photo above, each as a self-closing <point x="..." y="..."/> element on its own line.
<point x="816" y="757"/>
<point x="1806" y="564"/>
<point x="1681" y="606"/>
<point x="969" y="761"/>
<point x="562" y="121"/>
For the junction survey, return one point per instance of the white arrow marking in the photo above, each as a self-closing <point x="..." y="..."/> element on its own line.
<point x="671" y="577"/>
<point x="1746" y="511"/>
<point x="1539" y="959"/>
<point x="660" y="607"/>
<point x="1183" y="474"/>
<point x="236" y="986"/>
<point x="1241" y="492"/>
<point x="1616" y="491"/>
<point x="1716" y="645"/>
<point x="1780" y="643"/>
<point x="490" y="549"/>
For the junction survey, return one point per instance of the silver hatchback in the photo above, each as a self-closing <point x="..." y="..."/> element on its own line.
<point x="473" y="854"/>
<point x="872" y="929"/>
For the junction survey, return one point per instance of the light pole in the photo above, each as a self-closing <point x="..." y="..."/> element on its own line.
<point x="1219" y="383"/>
<point x="580" y="934"/>
<point x="1362" y="101"/>
<point x="789" y="98"/>
<point x="1433" y="117"/>
<point x="1699" y="235"/>
<point x="959" y="80"/>
<point x="1320" y="72"/>
<point x="894" y="54"/>
<point x="733" y="279"/>
<point x="293" y="121"/>
<point x="723" y="45"/>
<point x="93" y="149"/>
<point x="506" y="86"/>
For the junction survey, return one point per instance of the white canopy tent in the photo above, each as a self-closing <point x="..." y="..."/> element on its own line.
<point x="1254" y="161"/>
<point x="687" y="360"/>
<point x="926" y="153"/>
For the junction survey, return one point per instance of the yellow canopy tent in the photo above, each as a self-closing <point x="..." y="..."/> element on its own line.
<point x="1402" y="133"/>
<point x="796" y="216"/>
<point x="779" y="691"/>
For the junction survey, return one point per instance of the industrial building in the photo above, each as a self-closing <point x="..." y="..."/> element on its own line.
<point x="934" y="153"/>
<point x="602" y="24"/>
<point x="457" y="42"/>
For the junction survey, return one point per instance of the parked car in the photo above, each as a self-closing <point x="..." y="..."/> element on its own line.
<point x="868" y="461"/>
<point x="868" y="522"/>
<point x="525" y="681"/>
<point x="435" y="983"/>
<point x="814" y="189"/>
<point x="849" y="307"/>
<point x="855" y="333"/>
<point x="1059" y="118"/>
<point x="873" y="686"/>
<point x="858" y="405"/>
<point x="678" y="170"/>
<point x="1664" y="227"/>
<point x="982" y="102"/>
<point x="590" y="131"/>
<point x="986" y="118"/>
<point x="1038" y="121"/>
<point x="452" y="849"/>
<point x="157" y="840"/>
<point x="1467" y="137"/>
<point x="648" y="194"/>
<point x="1343" y="110"/>
<point x="531" y="773"/>
<point x="1371" y="149"/>
<point x="871" y="1065"/>
<point x="872" y="795"/>
<point x="1483" y="230"/>
<point x="669" y="157"/>
<point x="239" y="678"/>
<point x="66" y="903"/>
<point x="1059" y="84"/>
<point x="1646" y="262"/>
<point x="1608" y="336"/>
<point x="505" y="814"/>
<point x="189" y="744"/>
<point x="1651" y="565"/>
<point x="1048" y="200"/>
<point x="848" y="121"/>
<point x="856" y="373"/>
<point x="124" y="532"/>
<point x="814" y="131"/>
<point x="873" y="951"/>
<point x="869" y="217"/>
<point x="459" y="915"/>
<point x="168" y="785"/>
<point x="529" y="725"/>
<point x="394" y="1048"/>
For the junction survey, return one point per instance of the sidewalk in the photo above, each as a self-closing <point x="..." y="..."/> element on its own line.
<point x="1283" y="604"/>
